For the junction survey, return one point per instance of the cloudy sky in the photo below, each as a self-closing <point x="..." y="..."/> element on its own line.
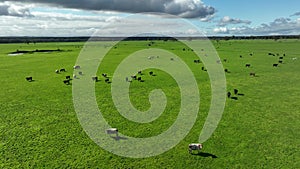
<point x="110" y="17"/>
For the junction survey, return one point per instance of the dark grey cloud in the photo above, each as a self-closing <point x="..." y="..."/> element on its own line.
<point x="280" y="26"/>
<point x="182" y="8"/>
<point x="9" y="9"/>
<point x="227" y="20"/>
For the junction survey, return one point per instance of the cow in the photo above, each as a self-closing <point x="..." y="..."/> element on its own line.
<point x="139" y="72"/>
<point x="228" y="94"/>
<point x="139" y="78"/>
<point x="252" y="74"/>
<point x="275" y="65"/>
<point x="29" y="79"/>
<point x="76" y="67"/>
<point x="225" y="60"/>
<point x="104" y="74"/>
<point x="95" y="78"/>
<point x="281" y="57"/>
<point x="62" y="70"/>
<point x="68" y="77"/>
<point x="195" y="146"/>
<point x="172" y="59"/>
<point x="151" y="73"/>
<point x="67" y="82"/>
<point x="248" y="65"/>
<point x="241" y="56"/>
<point x="80" y="73"/>
<point x="133" y="77"/>
<point x="280" y="61"/>
<point x="235" y="91"/>
<point x="226" y="70"/>
<point x="107" y="80"/>
<point x="74" y="76"/>
<point x="112" y="131"/>
<point x="56" y="71"/>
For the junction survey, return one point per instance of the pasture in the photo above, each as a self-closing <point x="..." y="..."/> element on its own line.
<point x="260" y="129"/>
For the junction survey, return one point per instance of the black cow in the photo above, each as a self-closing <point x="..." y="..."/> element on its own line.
<point x="280" y="61"/>
<point x="133" y="77"/>
<point x="29" y="79"/>
<point x="107" y="80"/>
<point x="248" y="65"/>
<point x="252" y="74"/>
<point x="68" y="77"/>
<point x="281" y="57"/>
<point x="104" y="74"/>
<point x="62" y="70"/>
<point x="139" y="78"/>
<point x="228" y="94"/>
<point x="235" y="91"/>
<point x="95" y="78"/>
<point x="139" y="72"/>
<point x="151" y="73"/>
<point x="275" y="65"/>
<point x="241" y="56"/>
<point x="67" y="82"/>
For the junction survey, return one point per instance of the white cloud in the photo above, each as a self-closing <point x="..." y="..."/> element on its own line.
<point x="15" y="9"/>
<point x="226" y="20"/>
<point x="280" y="26"/>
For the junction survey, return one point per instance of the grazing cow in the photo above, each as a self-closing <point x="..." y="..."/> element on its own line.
<point x="112" y="131"/>
<point x="281" y="57"/>
<point x="172" y="59"/>
<point x="68" y="77"/>
<point x="107" y="80"/>
<point x="275" y="65"/>
<point x="95" y="78"/>
<point x="29" y="79"/>
<point x="197" y="61"/>
<point x="80" y="73"/>
<point x="280" y="61"/>
<point x="133" y="77"/>
<point x="151" y="73"/>
<point x="252" y="74"/>
<point x="226" y="70"/>
<point x="139" y="72"/>
<point x="284" y="54"/>
<point x="235" y="91"/>
<point x="67" y="82"/>
<point x="74" y="76"/>
<point x="248" y="65"/>
<point x="251" y="54"/>
<point x="228" y="94"/>
<point x="195" y="146"/>
<point x="127" y="80"/>
<point x="241" y="56"/>
<point x="104" y="74"/>
<point x="56" y="71"/>
<point x="62" y="70"/>
<point x="139" y="78"/>
<point x="225" y="60"/>
<point x="76" y="67"/>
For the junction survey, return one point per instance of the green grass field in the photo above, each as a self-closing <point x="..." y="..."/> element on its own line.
<point x="39" y="126"/>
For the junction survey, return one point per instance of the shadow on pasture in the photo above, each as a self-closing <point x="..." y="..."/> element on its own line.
<point x="117" y="138"/>
<point x="203" y="154"/>
<point x="241" y="94"/>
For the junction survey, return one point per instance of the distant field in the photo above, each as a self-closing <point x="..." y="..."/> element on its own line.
<point x="39" y="126"/>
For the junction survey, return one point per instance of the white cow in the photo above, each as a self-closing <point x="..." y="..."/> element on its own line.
<point x="195" y="146"/>
<point x="112" y="131"/>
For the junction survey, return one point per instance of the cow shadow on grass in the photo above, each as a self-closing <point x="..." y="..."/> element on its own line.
<point x="204" y="154"/>
<point x="117" y="138"/>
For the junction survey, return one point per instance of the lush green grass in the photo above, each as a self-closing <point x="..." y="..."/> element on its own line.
<point x="39" y="127"/>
